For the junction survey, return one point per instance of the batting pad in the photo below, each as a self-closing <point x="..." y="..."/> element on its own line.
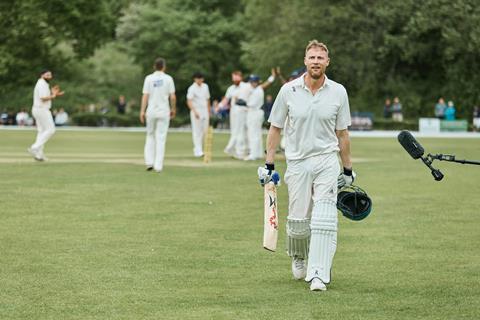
<point x="323" y="241"/>
<point x="298" y="237"/>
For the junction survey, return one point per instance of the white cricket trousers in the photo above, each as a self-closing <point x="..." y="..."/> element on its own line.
<point x="157" y="128"/>
<point x="255" y="137"/>
<point x="45" y="127"/>
<point x="199" y="128"/>
<point x="312" y="195"/>
<point x="238" y="131"/>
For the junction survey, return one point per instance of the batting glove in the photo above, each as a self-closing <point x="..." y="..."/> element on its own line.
<point x="267" y="174"/>
<point x="346" y="178"/>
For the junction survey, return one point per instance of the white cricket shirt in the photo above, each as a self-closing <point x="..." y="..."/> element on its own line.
<point x="310" y="120"/>
<point x="159" y="86"/>
<point x="41" y="90"/>
<point x="256" y="99"/>
<point x="240" y="91"/>
<point x="199" y="96"/>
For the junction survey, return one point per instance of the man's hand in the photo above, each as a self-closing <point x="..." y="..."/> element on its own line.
<point x="173" y="113"/>
<point x="197" y="115"/>
<point x="56" y="92"/>
<point x="142" y="117"/>
<point x="346" y="178"/>
<point x="267" y="174"/>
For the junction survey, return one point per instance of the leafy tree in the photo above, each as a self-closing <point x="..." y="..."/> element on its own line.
<point x="191" y="35"/>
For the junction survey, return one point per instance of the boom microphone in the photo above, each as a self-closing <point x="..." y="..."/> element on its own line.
<point x="416" y="151"/>
<point x="411" y="145"/>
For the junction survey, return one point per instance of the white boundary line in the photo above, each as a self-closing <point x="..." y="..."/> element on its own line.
<point x="362" y="134"/>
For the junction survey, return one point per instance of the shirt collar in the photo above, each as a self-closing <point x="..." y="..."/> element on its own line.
<point x="326" y="83"/>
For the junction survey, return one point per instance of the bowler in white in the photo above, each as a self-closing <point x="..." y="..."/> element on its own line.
<point x="198" y="101"/>
<point x="158" y="107"/>
<point x="42" y="103"/>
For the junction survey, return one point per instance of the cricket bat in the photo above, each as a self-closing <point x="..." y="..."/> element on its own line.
<point x="207" y="148"/>
<point x="270" y="228"/>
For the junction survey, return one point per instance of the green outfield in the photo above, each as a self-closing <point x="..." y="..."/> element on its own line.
<point x="91" y="235"/>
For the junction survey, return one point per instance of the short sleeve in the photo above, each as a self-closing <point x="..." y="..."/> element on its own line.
<point x="229" y="93"/>
<point x="146" y="88"/>
<point x="207" y="91"/>
<point x="343" y="116"/>
<point x="171" y="89"/>
<point x="190" y="94"/>
<point x="279" y="111"/>
<point x="44" y="90"/>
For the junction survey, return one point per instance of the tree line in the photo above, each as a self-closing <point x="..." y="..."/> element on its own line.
<point x="417" y="50"/>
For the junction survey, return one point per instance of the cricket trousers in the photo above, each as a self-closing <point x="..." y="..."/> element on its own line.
<point x="199" y="127"/>
<point x="154" y="152"/>
<point x="255" y="137"/>
<point x="312" y="195"/>
<point x="45" y="127"/>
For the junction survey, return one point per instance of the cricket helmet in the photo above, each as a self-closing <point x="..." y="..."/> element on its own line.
<point x="354" y="203"/>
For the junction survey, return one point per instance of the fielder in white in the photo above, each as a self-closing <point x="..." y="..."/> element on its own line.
<point x="159" y="96"/>
<point x="255" y="116"/>
<point x="42" y="103"/>
<point x="198" y="101"/>
<point x="314" y="113"/>
<point x="237" y="94"/>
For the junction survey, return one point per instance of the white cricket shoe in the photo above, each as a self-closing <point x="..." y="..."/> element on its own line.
<point x="36" y="154"/>
<point x="317" y="285"/>
<point x="299" y="268"/>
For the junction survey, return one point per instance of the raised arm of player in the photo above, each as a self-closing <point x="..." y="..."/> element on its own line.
<point x="269" y="81"/>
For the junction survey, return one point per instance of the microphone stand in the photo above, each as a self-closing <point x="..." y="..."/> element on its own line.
<point x="449" y="157"/>
<point x="437" y="174"/>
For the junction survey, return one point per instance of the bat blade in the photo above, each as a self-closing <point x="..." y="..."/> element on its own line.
<point x="270" y="229"/>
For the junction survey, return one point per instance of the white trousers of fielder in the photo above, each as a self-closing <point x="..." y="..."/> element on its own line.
<point x="45" y="128"/>
<point x="255" y="137"/>
<point x="237" y="145"/>
<point x="199" y="128"/>
<point x="312" y="193"/>
<point x="157" y="128"/>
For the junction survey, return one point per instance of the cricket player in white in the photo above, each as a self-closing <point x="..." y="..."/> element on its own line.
<point x="238" y="94"/>
<point x="198" y="101"/>
<point x="255" y="116"/>
<point x="314" y="113"/>
<point x="42" y="103"/>
<point x="159" y="96"/>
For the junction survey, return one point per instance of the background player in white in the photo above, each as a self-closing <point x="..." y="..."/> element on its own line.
<point x="159" y="96"/>
<point x="198" y="101"/>
<point x="255" y="116"/>
<point x="315" y="114"/>
<point x="238" y="94"/>
<point x="42" y="103"/>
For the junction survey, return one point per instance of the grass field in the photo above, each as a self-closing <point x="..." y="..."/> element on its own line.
<point x="92" y="235"/>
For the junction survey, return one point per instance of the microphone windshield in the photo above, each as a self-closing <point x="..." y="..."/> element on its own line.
<point x="411" y="145"/>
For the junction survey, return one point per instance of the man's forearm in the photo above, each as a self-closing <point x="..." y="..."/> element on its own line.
<point x="173" y="103"/>
<point x="143" y="106"/>
<point x="273" y="139"/>
<point x="344" y="145"/>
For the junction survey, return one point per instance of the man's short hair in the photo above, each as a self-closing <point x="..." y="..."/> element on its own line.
<point x="315" y="44"/>
<point x="198" y="75"/>
<point x="237" y="72"/>
<point x="159" y="63"/>
<point x="43" y="71"/>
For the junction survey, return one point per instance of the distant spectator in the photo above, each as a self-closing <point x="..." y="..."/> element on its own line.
<point x="397" y="114"/>
<point x="61" y="118"/>
<point x="440" y="109"/>
<point x="387" y="109"/>
<point x="476" y="118"/>
<point x="267" y="106"/>
<point x="22" y="118"/>
<point x="121" y="105"/>
<point x="450" y="111"/>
